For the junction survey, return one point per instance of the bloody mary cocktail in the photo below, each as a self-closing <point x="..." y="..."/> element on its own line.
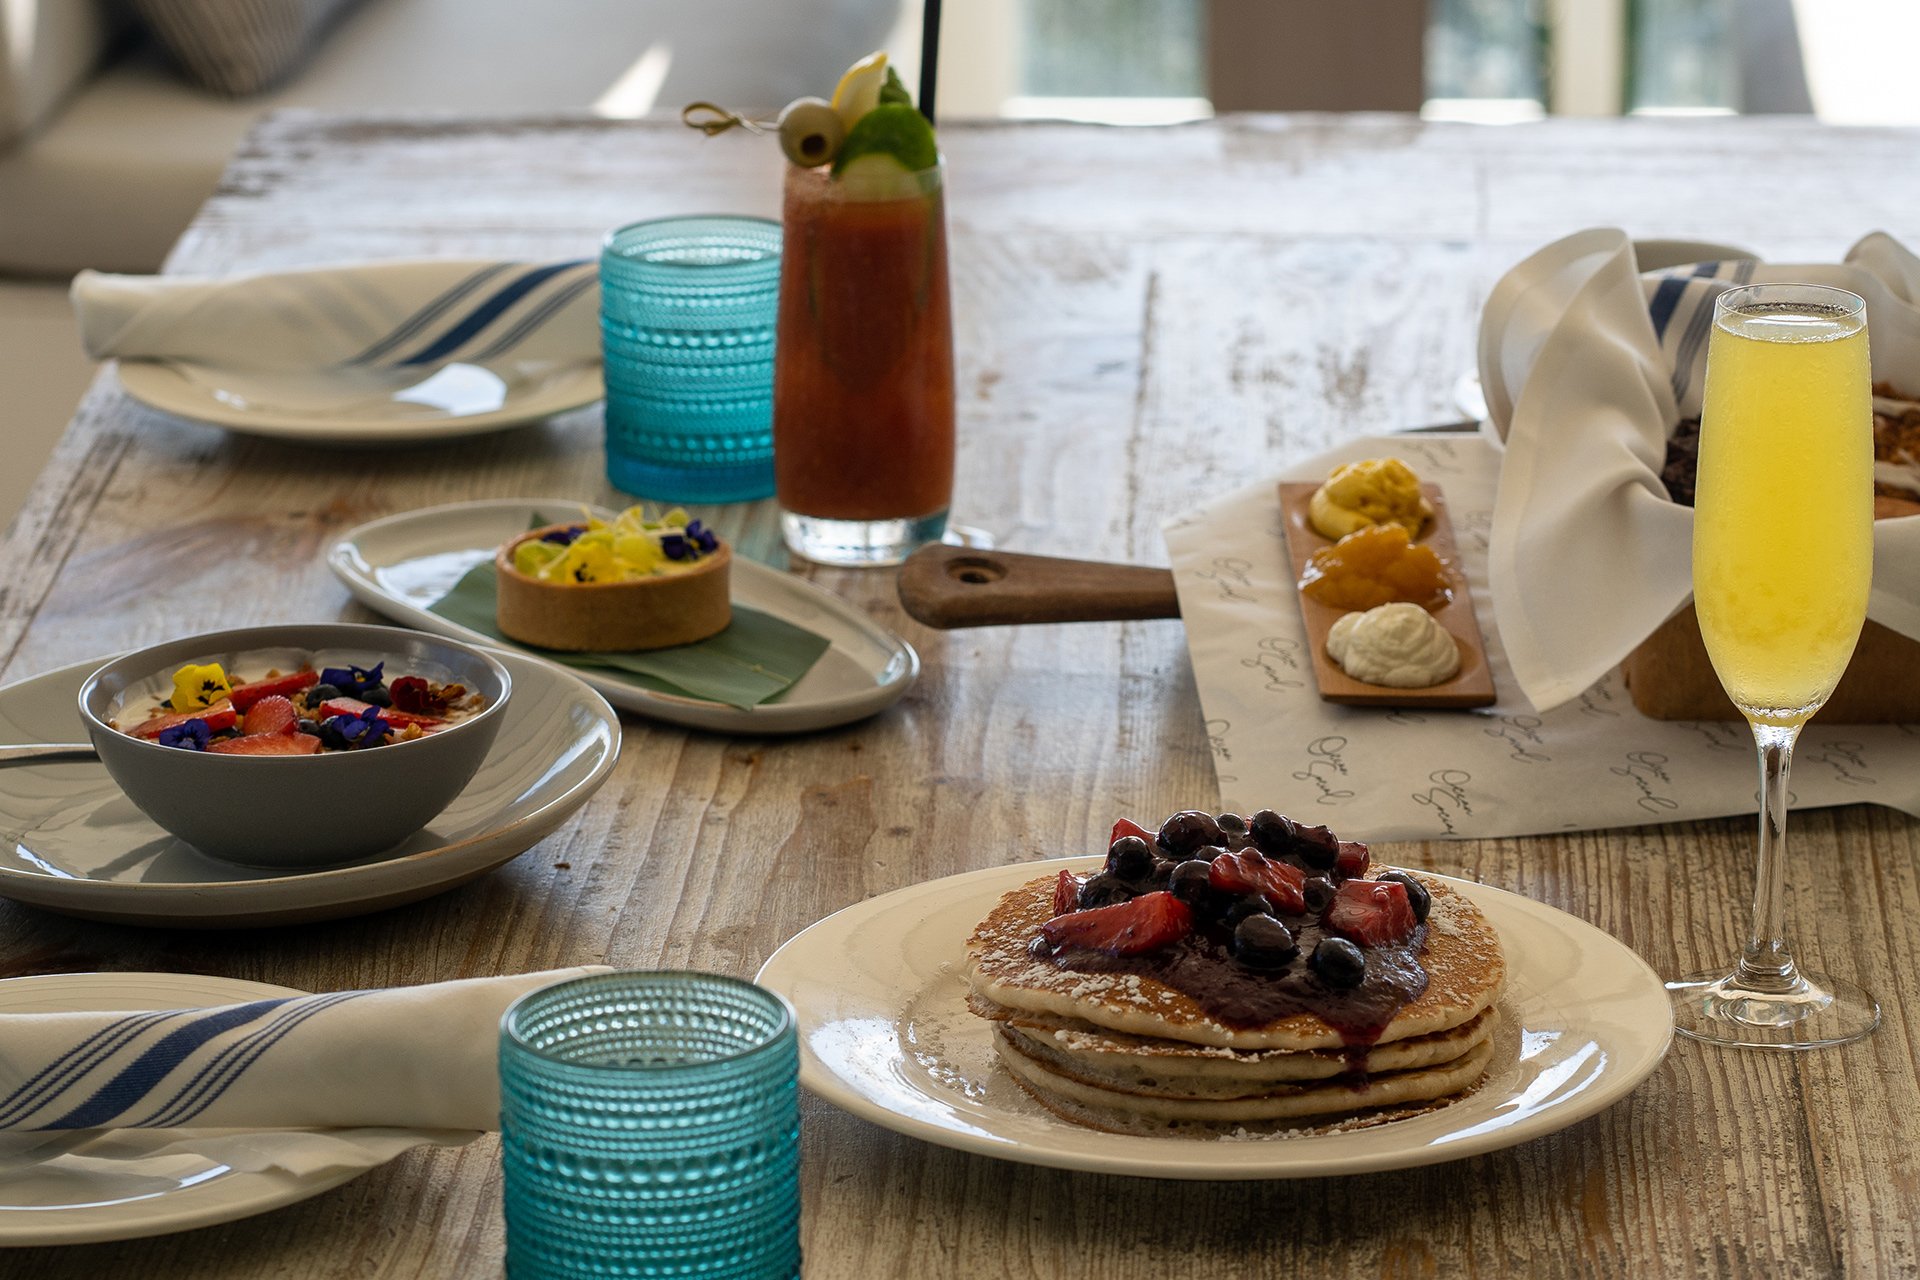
<point x="863" y="365"/>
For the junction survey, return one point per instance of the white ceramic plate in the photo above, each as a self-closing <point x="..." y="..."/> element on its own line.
<point x="368" y="407"/>
<point x="123" y="1184"/>
<point x="400" y="565"/>
<point x="72" y="842"/>
<point x="880" y="991"/>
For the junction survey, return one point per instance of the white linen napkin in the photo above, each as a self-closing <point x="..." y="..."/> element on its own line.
<point x="412" y="1057"/>
<point x="1587" y="365"/>
<point x="369" y="315"/>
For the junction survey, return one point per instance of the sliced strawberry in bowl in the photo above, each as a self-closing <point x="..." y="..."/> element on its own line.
<point x="1352" y="861"/>
<point x="1250" y="871"/>
<point x="268" y="744"/>
<point x="1146" y="923"/>
<point x="246" y="695"/>
<point x="1374" y="913"/>
<point x="218" y="716"/>
<point x="398" y="719"/>
<point x="273" y="714"/>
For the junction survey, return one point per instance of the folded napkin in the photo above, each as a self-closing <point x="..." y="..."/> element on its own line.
<point x="1587" y="365"/>
<point x="372" y="315"/>
<point x="413" y="1057"/>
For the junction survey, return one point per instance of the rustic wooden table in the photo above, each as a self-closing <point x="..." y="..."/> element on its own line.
<point x="1144" y="318"/>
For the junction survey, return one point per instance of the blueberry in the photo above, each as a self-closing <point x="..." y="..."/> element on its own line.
<point x="320" y="693"/>
<point x="1131" y="859"/>
<point x="1319" y="893"/>
<point x="1247" y="904"/>
<point x="1316" y="846"/>
<point x="1189" y="830"/>
<point x="311" y="727"/>
<point x="377" y="696"/>
<point x="330" y="736"/>
<point x="1231" y="823"/>
<point x="1261" y="942"/>
<point x="1158" y="877"/>
<point x="1103" y="890"/>
<point x="1272" y="834"/>
<point x="1208" y="853"/>
<point x="1040" y="948"/>
<point x="1339" y="963"/>
<point x="1417" y="896"/>
<point x="1191" y="882"/>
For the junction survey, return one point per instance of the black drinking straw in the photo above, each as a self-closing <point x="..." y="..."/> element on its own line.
<point x="929" y="55"/>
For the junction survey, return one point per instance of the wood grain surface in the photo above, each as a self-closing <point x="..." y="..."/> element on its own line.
<point x="1143" y="320"/>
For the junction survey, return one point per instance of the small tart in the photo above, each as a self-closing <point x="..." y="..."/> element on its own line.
<point x="638" y="613"/>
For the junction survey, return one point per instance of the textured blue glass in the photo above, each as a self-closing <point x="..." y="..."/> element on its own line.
<point x="686" y="326"/>
<point x="650" y="1127"/>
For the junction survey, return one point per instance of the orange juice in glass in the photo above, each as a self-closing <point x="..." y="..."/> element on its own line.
<point x="863" y="399"/>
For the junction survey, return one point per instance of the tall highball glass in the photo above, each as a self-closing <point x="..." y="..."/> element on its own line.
<point x="1782" y="561"/>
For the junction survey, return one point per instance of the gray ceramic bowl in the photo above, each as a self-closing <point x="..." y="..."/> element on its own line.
<point x="295" y="811"/>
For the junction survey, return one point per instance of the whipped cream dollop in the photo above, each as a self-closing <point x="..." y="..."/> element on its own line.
<point x="1397" y="645"/>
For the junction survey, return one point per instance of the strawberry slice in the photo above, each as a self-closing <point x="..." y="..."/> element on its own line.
<point x="354" y="707"/>
<point x="218" y="716"/>
<point x="1066" y="892"/>
<point x="270" y="715"/>
<point x="1145" y="923"/>
<point x="1128" y="827"/>
<point x="1373" y="913"/>
<point x="1250" y="871"/>
<point x="279" y="686"/>
<point x="1352" y="860"/>
<point x="269" y="744"/>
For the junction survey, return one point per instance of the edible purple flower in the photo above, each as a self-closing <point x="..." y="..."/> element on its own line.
<point x="189" y="735"/>
<point x="353" y="680"/>
<point x="702" y="537"/>
<point x="369" y="729"/>
<point x="564" y="537"/>
<point x="675" y="547"/>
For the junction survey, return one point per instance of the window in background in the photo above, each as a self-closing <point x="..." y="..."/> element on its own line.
<point x="1120" y="61"/>
<point x="1486" y="60"/>
<point x="1682" y="57"/>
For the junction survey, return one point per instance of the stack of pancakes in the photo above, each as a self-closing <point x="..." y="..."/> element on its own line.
<point x="1128" y="1053"/>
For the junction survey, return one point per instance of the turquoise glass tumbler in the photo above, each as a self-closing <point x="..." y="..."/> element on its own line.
<point x="650" y="1126"/>
<point x="686" y="325"/>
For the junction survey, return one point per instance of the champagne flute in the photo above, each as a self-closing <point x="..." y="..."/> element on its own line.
<point x="1782" y="561"/>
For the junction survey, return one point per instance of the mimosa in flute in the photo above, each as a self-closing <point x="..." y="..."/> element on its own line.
<point x="1782" y="562"/>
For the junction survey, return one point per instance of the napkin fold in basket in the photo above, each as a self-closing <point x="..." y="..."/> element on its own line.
<point x="372" y="315"/>
<point x="757" y="658"/>
<point x="1587" y="364"/>
<point x="409" y="1057"/>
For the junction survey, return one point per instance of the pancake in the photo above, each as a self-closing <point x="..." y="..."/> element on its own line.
<point x="1122" y="1112"/>
<point x="1177" y="1068"/>
<point x="1462" y="958"/>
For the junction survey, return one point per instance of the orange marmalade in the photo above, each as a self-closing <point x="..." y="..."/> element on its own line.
<point x="1377" y="565"/>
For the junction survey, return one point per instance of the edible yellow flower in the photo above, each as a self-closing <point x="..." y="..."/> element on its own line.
<point x="585" y="561"/>
<point x="199" y="686"/>
<point x="639" y="554"/>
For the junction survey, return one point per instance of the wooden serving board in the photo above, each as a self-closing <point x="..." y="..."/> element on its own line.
<point x="1471" y="686"/>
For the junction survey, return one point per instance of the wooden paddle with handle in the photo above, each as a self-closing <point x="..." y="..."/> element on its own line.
<point x="949" y="587"/>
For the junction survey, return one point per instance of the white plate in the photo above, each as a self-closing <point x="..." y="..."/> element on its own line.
<point x="363" y="407"/>
<point x="122" y="1184"/>
<point x="70" y="840"/>
<point x="880" y="991"/>
<point x="400" y="565"/>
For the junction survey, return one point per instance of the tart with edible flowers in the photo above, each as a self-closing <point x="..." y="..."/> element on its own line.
<point x="634" y="582"/>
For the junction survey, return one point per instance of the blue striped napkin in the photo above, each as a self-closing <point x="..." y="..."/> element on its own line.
<point x="379" y="315"/>
<point x="412" y="1057"/>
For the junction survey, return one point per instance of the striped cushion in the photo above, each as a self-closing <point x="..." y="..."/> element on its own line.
<point x="238" y="47"/>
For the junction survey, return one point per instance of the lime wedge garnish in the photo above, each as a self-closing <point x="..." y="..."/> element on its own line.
<point x="894" y="91"/>
<point x="893" y="132"/>
<point x="859" y="89"/>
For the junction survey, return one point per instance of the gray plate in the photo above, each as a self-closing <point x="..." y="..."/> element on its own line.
<point x="70" y="841"/>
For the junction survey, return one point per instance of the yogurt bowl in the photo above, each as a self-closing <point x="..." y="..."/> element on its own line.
<point x="294" y="811"/>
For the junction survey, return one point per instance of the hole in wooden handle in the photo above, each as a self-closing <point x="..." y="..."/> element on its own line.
<point x="975" y="570"/>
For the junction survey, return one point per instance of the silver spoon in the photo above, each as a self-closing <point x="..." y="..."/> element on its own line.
<point x="47" y="751"/>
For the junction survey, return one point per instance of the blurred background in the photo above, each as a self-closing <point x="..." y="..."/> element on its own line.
<point x="117" y="116"/>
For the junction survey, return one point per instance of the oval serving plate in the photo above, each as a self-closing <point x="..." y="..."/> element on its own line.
<point x="400" y="565"/>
